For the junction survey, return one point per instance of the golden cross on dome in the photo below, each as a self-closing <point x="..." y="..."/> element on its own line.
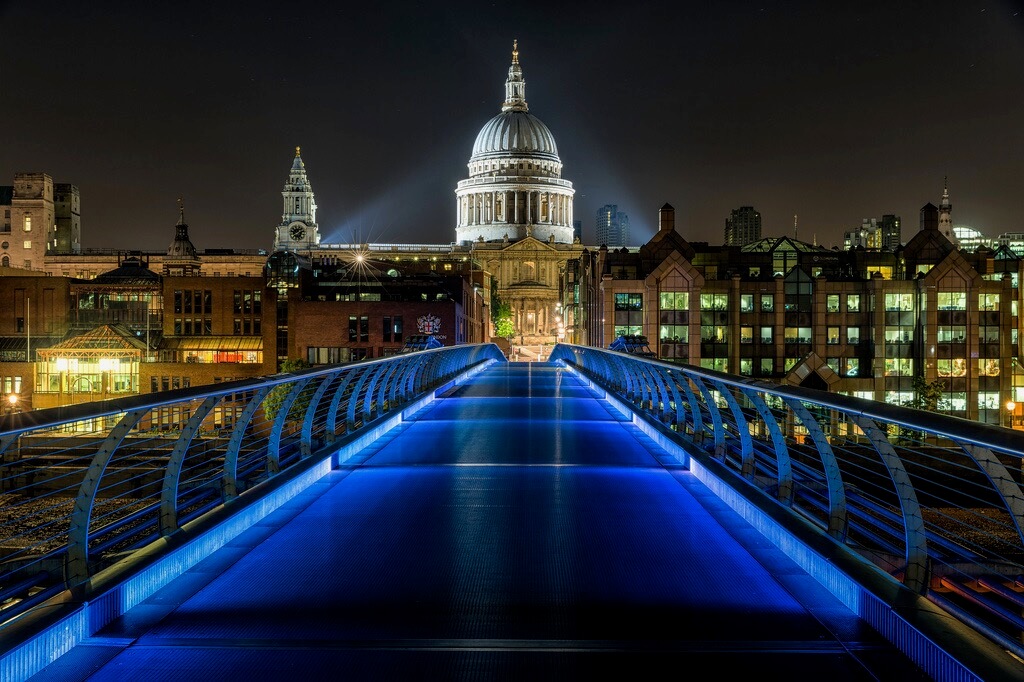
<point x="297" y="149"/>
<point x="515" y="51"/>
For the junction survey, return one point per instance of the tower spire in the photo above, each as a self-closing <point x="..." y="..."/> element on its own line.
<point x="515" y="86"/>
<point x="945" y="214"/>
<point x="181" y="211"/>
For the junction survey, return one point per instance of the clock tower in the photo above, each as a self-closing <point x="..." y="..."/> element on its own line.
<point x="297" y="230"/>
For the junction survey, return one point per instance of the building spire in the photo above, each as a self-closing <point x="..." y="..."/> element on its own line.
<point x="298" y="151"/>
<point x="181" y="211"/>
<point x="945" y="214"/>
<point x="515" y="86"/>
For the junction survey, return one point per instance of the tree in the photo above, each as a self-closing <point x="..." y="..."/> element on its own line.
<point x="272" y="403"/>
<point x="501" y="315"/>
<point x="927" y="396"/>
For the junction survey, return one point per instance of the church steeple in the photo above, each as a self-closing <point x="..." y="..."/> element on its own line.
<point x="515" y="86"/>
<point x="945" y="217"/>
<point x="297" y="229"/>
<point x="182" y="258"/>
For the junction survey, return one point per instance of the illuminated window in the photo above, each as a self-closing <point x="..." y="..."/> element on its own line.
<point x="832" y="303"/>
<point x="988" y="301"/>
<point x="853" y="303"/>
<point x="952" y="300"/>
<point x="714" y="301"/>
<point x="902" y="301"/>
<point x="28" y="223"/>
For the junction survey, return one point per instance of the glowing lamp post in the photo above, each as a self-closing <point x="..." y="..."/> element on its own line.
<point x="12" y="402"/>
<point x="1011" y="407"/>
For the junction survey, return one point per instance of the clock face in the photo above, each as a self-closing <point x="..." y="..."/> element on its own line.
<point x="297" y="232"/>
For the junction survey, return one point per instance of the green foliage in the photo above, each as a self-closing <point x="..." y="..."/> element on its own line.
<point x="501" y="315"/>
<point x="927" y="394"/>
<point x="272" y="403"/>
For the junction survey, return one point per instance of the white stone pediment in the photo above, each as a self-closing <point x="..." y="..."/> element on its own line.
<point x="527" y="244"/>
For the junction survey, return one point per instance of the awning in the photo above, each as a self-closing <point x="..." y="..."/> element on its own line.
<point x="223" y="344"/>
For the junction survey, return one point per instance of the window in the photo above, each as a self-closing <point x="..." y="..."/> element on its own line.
<point x="747" y="366"/>
<point x="853" y="335"/>
<point x="746" y="303"/>
<point x="28" y="223"/>
<point x="767" y="366"/>
<point x="899" y="367"/>
<point x="852" y="367"/>
<point x="714" y="301"/>
<point x="27" y="244"/>
<point x="853" y="303"/>
<point x="797" y="334"/>
<point x="674" y="300"/>
<point x="988" y="301"/>
<point x="628" y="314"/>
<point x="718" y="364"/>
<point x="832" y="335"/>
<point x="832" y="303"/>
<point x="767" y="334"/>
<point x="393" y="328"/>
<point x="767" y="303"/>
<point x="952" y="300"/>
<point x="746" y="335"/>
<point x="901" y="301"/>
<point x="629" y="302"/>
<point x="988" y="367"/>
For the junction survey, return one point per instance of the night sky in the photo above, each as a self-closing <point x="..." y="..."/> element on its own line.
<point x="834" y="112"/>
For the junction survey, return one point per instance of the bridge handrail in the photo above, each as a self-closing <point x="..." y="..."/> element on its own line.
<point x="933" y="500"/>
<point x="85" y="486"/>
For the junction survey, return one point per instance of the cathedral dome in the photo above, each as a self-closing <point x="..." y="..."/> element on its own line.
<point x="515" y="187"/>
<point x="514" y="133"/>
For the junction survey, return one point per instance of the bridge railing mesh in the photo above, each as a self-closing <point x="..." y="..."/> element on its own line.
<point x="932" y="500"/>
<point x="84" y="487"/>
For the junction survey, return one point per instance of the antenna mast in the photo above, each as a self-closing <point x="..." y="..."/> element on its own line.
<point x="794" y="227"/>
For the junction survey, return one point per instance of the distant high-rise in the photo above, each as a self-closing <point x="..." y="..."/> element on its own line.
<point x="875" y="233"/>
<point x="612" y="226"/>
<point x="743" y="226"/>
<point x="890" y="228"/>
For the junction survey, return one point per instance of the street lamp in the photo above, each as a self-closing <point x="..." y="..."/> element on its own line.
<point x="1010" y="408"/>
<point x="12" y="400"/>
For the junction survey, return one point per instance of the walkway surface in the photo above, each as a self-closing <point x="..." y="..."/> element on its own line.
<point x="517" y="529"/>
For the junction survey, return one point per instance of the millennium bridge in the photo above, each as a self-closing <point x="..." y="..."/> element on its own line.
<point x="446" y="514"/>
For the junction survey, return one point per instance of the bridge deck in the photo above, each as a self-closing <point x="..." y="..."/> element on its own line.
<point x="519" y="528"/>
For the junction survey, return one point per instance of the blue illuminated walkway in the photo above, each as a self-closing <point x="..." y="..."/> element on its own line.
<point x="517" y="529"/>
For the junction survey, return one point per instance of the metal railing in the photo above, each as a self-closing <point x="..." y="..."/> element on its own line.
<point x="935" y="502"/>
<point x="86" y="487"/>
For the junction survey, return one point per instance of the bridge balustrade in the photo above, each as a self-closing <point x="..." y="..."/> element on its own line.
<point x="87" y="488"/>
<point x="933" y="501"/>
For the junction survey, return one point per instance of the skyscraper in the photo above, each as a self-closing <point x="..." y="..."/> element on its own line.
<point x="612" y="226"/>
<point x="743" y="226"/>
<point x="890" y="227"/>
